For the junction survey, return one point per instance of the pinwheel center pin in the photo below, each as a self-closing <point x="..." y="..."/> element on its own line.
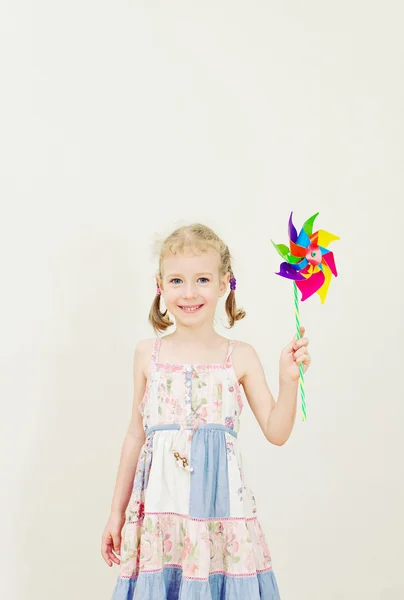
<point x="314" y="256"/>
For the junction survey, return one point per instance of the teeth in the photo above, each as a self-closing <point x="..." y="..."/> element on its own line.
<point x="189" y="309"/>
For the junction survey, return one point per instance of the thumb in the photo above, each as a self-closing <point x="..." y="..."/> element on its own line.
<point x="302" y="331"/>
<point x="292" y="346"/>
<point x="289" y="349"/>
<point x="292" y="343"/>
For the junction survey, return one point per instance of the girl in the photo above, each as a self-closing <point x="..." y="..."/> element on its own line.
<point x="189" y="524"/>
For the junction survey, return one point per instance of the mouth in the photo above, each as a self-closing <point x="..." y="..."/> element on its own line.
<point x="191" y="309"/>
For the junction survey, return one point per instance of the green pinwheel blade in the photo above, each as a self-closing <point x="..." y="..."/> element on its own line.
<point x="285" y="253"/>
<point x="308" y="225"/>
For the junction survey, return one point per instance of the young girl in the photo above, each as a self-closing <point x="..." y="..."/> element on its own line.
<point x="189" y="524"/>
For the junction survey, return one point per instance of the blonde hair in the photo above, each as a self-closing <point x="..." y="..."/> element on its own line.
<point x="201" y="238"/>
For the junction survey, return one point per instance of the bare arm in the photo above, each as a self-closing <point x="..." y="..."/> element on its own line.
<point x="134" y="439"/>
<point x="276" y="419"/>
<point x="135" y="436"/>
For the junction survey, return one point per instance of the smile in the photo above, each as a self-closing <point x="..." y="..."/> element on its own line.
<point x="191" y="309"/>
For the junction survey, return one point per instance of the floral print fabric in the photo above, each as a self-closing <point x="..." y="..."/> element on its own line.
<point x="162" y="535"/>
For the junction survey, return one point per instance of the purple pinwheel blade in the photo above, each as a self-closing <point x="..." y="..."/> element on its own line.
<point x="292" y="229"/>
<point x="288" y="271"/>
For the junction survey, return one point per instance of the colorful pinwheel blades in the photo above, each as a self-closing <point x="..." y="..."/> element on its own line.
<point x="307" y="261"/>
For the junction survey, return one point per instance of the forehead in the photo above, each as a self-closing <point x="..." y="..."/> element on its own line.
<point x="190" y="262"/>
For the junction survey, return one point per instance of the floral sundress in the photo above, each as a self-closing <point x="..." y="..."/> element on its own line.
<point x="191" y="530"/>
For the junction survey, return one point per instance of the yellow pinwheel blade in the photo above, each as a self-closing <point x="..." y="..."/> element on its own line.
<point x="324" y="238"/>
<point x="322" y="292"/>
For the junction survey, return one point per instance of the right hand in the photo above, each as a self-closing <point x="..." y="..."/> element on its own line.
<point x="112" y="537"/>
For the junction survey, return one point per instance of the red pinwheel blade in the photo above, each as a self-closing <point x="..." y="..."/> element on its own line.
<point x="297" y="250"/>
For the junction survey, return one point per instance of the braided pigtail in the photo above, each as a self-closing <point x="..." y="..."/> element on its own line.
<point x="233" y="313"/>
<point x="160" y="321"/>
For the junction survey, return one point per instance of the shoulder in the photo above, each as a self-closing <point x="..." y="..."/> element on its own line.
<point x="244" y="356"/>
<point x="243" y="349"/>
<point x="145" y="346"/>
<point x="143" y="354"/>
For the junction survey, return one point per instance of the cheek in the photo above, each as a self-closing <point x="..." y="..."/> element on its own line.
<point x="209" y="296"/>
<point x="170" y="295"/>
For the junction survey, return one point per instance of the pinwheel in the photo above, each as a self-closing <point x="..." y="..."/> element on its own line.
<point x="310" y="265"/>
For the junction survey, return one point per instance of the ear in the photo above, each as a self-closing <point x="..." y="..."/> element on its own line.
<point x="224" y="282"/>
<point x="159" y="281"/>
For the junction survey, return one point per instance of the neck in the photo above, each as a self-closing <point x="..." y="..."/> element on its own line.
<point x="204" y="334"/>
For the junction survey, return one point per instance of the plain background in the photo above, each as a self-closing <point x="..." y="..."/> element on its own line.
<point x="122" y="120"/>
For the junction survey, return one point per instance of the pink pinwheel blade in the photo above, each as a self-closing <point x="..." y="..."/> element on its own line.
<point x="330" y="262"/>
<point x="311" y="285"/>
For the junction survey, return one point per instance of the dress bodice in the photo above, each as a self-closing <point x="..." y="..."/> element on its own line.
<point x="191" y="394"/>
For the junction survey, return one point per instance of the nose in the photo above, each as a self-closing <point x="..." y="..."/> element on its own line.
<point x="188" y="291"/>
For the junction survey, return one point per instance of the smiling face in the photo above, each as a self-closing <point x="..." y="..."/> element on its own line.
<point x="191" y="285"/>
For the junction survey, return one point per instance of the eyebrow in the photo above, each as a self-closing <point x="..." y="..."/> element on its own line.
<point x="197" y="274"/>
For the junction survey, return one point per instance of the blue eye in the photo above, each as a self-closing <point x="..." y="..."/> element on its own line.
<point x="177" y="280"/>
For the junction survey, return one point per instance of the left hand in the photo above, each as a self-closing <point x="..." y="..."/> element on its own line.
<point x="292" y="356"/>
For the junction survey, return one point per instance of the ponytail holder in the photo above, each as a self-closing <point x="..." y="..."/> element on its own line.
<point x="233" y="282"/>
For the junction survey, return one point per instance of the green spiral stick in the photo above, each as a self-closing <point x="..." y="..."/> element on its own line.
<point x="301" y="378"/>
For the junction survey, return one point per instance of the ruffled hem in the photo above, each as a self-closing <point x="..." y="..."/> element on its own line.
<point x="200" y="547"/>
<point x="169" y="584"/>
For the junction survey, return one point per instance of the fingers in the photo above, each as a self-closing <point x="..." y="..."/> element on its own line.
<point x="117" y="544"/>
<point x="299" y="349"/>
<point x="301" y="355"/>
<point x="303" y="342"/>
<point x="107" y="553"/>
<point x="115" y="558"/>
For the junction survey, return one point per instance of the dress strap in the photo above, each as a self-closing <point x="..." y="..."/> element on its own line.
<point x="156" y="350"/>
<point x="152" y="364"/>
<point x="230" y="349"/>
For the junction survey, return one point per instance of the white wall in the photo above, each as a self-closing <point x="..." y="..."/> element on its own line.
<point x="121" y="120"/>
